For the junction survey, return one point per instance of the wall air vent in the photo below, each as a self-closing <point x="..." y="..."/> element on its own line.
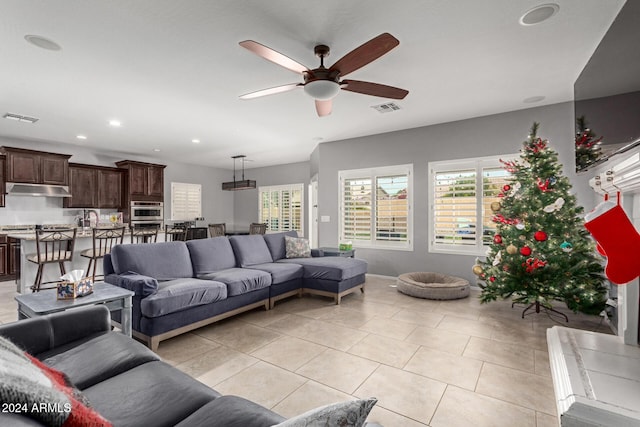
<point x="386" y="108"/>
<point x="19" y="118"/>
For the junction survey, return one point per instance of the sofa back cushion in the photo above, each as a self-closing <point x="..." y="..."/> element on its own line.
<point x="211" y="255"/>
<point x="276" y="244"/>
<point x="162" y="261"/>
<point x="250" y="250"/>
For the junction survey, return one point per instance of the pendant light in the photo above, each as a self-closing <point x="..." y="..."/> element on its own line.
<point x="242" y="184"/>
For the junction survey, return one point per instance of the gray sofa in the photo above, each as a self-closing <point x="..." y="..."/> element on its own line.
<point x="181" y="286"/>
<point x="125" y="382"/>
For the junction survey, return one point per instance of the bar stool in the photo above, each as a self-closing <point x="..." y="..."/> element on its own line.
<point x="103" y="240"/>
<point x="52" y="246"/>
<point x="216" y="230"/>
<point x="175" y="232"/>
<point x="256" y="228"/>
<point x="145" y="233"/>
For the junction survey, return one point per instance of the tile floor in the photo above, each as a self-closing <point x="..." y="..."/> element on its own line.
<point x="429" y="363"/>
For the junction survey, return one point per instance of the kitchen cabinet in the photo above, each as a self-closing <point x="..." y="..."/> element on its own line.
<point x="9" y="257"/>
<point x="3" y="189"/>
<point x="94" y="187"/>
<point x="145" y="181"/>
<point x="36" y="167"/>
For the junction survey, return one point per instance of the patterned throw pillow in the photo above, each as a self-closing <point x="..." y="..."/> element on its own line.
<point x="352" y="413"/>
<point x="297" y="247"/>
<point x="31" y="389"/>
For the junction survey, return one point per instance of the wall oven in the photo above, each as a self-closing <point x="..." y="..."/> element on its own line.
<point x="147" y="211"/>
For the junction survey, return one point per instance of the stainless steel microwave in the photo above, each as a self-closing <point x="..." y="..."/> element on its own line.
<point x="147" y="211"/>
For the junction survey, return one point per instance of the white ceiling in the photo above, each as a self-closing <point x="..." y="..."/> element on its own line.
<point x="172" y="71"/>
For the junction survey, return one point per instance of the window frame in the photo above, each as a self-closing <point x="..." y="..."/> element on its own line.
<point x="478" y="164"/>
<point x="279" y="189"/>
<point x="190" y="187"/>
<point x="373" y="174"/>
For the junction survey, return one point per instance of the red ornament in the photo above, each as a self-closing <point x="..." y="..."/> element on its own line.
<point x="492" y="278"/>
<point x="497" y="239"/>
<point x="506" y="187"/>
<point x="543" y="185"/>
<point x="540" y="236"/>
<point x="525" y="251"/>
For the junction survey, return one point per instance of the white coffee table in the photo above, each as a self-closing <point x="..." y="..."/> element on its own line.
<point x="45" y="302"/>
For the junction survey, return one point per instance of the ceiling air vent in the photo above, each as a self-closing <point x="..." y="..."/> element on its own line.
<point x="386" y="108"/>
<point x="19" y="118"/>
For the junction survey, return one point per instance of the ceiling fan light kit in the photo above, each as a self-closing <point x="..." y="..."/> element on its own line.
<point x="322" y="83"/>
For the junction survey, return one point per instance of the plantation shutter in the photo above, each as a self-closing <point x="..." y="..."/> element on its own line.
<point x="356" y="204"/>
<point x="455" y="207"/>
<point x="493" y="180"/>
<point x="186" y="201"/>
<point x="392" y="208"/>
<point x="281" y="207"/>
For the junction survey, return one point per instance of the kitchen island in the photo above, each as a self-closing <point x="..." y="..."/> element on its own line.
<point x="51" y="272"/>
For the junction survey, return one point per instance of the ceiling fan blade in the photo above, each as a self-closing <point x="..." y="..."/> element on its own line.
<point x="374" y="89"/>
<point x="368" y="52"/>
<point x="273" y="56"/>
<point x="323" y="107"/>
<point x="271" y="91"/>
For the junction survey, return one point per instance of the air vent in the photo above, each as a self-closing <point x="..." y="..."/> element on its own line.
<point x="386" y="108"/>
<point x="19" y="118"/>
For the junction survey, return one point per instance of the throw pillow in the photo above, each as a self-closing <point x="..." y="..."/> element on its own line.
<point x="297" y="247"/>
<point x="352" y="413"/>
<point x="31" y="389"/>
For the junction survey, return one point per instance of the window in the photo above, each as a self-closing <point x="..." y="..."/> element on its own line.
<point x="186" y="201"/>
<point x="460" y="198"/>
<point x="281" y="207"/>
<point x="376" y="207"/>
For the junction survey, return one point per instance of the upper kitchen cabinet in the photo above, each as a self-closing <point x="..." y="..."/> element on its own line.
<point x="94" y="187"/>
<point x="3" y="190"/>
<point x="36" y="167"/>
<point x="145" y="181"/>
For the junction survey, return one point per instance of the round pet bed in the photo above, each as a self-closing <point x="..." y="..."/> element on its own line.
<point x="432" y="286"/>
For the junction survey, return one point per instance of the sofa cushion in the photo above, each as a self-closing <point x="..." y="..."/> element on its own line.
<point x="99" y="358"/>
<point x="209" y="255"/>
<point x="240" y="280"/>
<point x="153" y="394"/>
<point x="162" y="261"/>
<point x="232" y="411"/>
<point x="280" y="272"/>
<point x="250" y="250"/>
<point x="141" y="285"/>
<point x="297" y="247"/>
<point x="179" y="294"/>
<point x="275" y="243"/>
<point x="329" y="268"/>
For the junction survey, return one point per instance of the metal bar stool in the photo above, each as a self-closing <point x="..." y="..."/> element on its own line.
<point x="256" y="228"/>
<point x="103" y="240"/>
<point x="145" y="233"/>
<point x="55" y="246"/>
<point x="216" y="230"/>
<point x="175" y="232"/>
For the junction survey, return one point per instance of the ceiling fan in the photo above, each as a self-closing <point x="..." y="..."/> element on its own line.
<point x="322" y="83"/>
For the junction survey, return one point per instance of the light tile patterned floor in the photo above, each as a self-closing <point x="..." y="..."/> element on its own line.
<point x="436" y="363"/>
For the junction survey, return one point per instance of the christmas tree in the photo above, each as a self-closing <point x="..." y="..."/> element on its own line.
<point x="541" y="251"/>
<point x="587" y="148"/>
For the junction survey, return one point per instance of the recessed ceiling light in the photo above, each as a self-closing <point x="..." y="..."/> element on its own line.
<point x="81" y="136"/>
<point x="115" y="123"/>
<point x="195" y="141"/>
<point x="42" y="42"/>
<point x="157" y="150"/>
<point x="533" y="99"/>
<point x="539" y="14"/>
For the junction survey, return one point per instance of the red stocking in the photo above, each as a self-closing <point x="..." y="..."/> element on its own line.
<point x="613" y="231"/>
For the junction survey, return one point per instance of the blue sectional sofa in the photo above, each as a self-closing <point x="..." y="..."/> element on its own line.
<point x="181" y="286"/>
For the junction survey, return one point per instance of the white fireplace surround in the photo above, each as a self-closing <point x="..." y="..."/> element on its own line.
<point x="596" y="377"/>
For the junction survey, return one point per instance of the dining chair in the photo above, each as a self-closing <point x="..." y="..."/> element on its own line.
<point x="175" y="232"/>
<point x="216" y="230"/>
<point x="257" y="228"/>
<point x="144" y="234"/>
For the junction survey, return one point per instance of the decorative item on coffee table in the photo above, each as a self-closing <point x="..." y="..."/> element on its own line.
<point x="541" y="251"/>
<point x="74" y="284"/>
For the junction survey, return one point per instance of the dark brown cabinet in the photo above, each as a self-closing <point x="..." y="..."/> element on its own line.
<point x="145" y="181"/>
<point x="9" y="257"/>
<point x="3" y="189"/>
<point x="36" y="167"/>
<point x="94" y="187"/>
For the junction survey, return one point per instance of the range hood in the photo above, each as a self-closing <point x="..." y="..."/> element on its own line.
<point x="45" y="190"/>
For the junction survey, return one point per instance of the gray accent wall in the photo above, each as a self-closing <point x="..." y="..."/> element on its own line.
<point x="478" y="137"/>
